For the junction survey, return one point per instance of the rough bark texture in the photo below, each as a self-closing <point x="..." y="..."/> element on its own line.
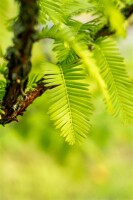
<point x="19" y="55"/>
<point x="23" y="103"/>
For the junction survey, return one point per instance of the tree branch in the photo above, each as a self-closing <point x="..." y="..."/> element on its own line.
<point x="105" y="30"/>
<point x="23" y="102"/>
<point x="19" y="64"/>
<point x="19" y="55"/>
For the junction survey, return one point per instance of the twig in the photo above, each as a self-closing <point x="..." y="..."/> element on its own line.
<point x="23" y="103"/>
<point x="106" y="31"/>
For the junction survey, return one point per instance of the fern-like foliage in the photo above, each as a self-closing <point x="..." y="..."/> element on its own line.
<point x="51" y="10"/>
<point x="70" y="100"/>
<point x="104" y="65"/>
<point x="33" y="80"/>
<point x="2" y="89"/>
<point x="114" y="72"/>
<point x="82" y="54"/>
<point x="3" y="72"/>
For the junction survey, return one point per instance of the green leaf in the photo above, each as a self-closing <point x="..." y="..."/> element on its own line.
<point x="114" y="72"/>
<point x="70" y="100"/>
<point x="2" y="88"/>
<point x="51" y="9"/>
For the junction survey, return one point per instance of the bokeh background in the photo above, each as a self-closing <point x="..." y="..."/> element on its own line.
<point x="36" y="163"/>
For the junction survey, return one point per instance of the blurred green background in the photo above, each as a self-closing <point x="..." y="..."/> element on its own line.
<point x="36" y="163"/>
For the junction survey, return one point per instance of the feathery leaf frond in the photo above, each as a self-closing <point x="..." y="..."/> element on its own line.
<point x="113" y="71"/>
<point x="2" y="88"/>
<point x="70" y="100"/>
<point x="33" y="80"/>
<point x="3" y="72"/>
<point x="52" y="10"/>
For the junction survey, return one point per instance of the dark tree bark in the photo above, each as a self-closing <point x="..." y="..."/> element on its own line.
<point x="19" y="56"/>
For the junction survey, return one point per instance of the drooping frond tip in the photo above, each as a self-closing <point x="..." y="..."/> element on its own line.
<point x="113" y="71"/>
<point x="70" y="101"/>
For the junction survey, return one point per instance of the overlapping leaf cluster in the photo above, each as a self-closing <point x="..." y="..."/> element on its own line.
<point x="82" y="53"/>
<point x="74" y="42"/>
